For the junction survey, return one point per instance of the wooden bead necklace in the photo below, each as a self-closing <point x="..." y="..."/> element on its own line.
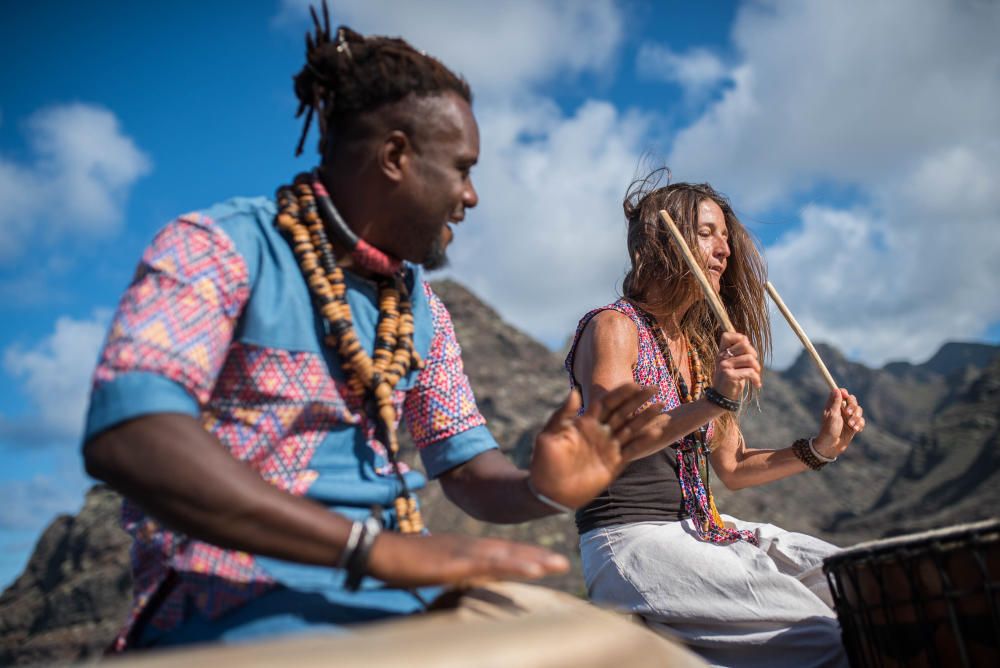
<point x="370" y="379"/>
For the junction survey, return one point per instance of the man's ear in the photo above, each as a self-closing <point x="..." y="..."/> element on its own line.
<point x="394" y="155"/>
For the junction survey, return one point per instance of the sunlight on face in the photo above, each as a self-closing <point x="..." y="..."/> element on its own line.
<point x="713" y="240"/>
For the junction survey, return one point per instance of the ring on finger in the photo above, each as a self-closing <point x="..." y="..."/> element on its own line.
<point x="727" y="353"/>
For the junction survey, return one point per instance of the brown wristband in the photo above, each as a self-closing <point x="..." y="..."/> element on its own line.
<point x="721" y="400"/>
<point x="805" y="454"/>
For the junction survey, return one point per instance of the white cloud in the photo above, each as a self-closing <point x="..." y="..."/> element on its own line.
<point x="76" y="183"/>
<point x="500" y="47"/>
<point x="896" y="101"/>
<point x="548" y="240"/>
<point x="892" y="285"/>
<point x="697" y="71"/>
<point x="849" y="92"/>
<point x="56" y="373"/>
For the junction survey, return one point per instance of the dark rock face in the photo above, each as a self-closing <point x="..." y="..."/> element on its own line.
<point x="930" y="457"/>
<point x="74" y="593"/>
<point x="927" y="458"/>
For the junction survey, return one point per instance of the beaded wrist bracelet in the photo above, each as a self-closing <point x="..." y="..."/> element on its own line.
<point x="721" y="400"/>
<point x="804" y="450"/>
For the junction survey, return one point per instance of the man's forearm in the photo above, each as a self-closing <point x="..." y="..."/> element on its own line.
<point x="490" y="488"/>
<point x="182" y="476"/>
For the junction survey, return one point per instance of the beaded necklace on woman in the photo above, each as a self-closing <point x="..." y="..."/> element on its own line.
<point x="305" y="213"/>
<point x="693" y="472"/>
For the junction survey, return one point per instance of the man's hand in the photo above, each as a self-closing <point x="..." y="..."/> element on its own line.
<point x="576" y="456"/>
<point x="404" y="560"/>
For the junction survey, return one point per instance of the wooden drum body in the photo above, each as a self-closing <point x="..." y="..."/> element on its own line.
<point x="929" y="599"/>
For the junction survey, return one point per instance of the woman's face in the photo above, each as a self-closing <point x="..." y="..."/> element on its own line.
<point x="713" y="240"/>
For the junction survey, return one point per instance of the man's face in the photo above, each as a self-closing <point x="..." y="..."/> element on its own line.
<point x="440" y="182"/>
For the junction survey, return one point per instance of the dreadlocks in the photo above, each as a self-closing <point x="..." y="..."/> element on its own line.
<point x="346" y="77"/>
<point x="357" y="86"/>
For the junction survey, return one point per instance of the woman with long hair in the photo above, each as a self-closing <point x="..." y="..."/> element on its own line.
<point x="740" y="593"/>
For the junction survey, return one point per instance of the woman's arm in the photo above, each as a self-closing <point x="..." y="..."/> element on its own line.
<point x="606" y="355"/>
<point x="738" y="466"/>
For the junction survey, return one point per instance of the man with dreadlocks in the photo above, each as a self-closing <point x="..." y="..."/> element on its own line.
<point x="259" y="364"/>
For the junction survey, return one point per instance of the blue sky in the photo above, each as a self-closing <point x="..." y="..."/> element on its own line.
<point x="859" y="143"/>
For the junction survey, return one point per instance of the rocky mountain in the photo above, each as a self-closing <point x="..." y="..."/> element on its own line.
<point x="74" y="592"/>
<point x="927" y="458"/>
<point x="930" y="457"/>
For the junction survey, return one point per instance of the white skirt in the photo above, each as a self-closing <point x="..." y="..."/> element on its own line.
<point x="735" y="605"/>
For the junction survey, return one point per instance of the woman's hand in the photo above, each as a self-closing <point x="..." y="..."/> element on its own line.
<point x="843" y="418"/>
<point x="735" y="365"/>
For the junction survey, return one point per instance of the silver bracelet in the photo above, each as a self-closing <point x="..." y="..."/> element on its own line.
<point x="351" y="545"/>
<point x="555" y="505"/>
<point x="822" y="458"/>
<point x="357" y="564"/>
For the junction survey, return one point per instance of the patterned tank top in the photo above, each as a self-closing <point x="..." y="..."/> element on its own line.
<point x="657" y="487"/>
<point x="648" y="489"/>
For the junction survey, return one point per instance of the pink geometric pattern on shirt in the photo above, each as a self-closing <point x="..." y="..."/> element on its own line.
<point x="177" y="317"/>
<point x="441" y="403"/>
<point x="213" y="579"/>
<point x="270" y="408"/>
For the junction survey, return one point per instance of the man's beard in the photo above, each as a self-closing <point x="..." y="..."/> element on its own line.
<point x="437" y="256"/>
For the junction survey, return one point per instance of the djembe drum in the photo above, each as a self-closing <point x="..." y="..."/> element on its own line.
<point x="928" y="599"/>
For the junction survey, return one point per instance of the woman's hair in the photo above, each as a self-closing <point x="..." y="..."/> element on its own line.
<point x="660" y="282"/>
<point x="347" y="75"/>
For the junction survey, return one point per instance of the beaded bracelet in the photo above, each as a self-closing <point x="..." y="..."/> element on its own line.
<point x="551" y="503"/>
<point x="721" y="400"/>
<point x="357" y="560"/>
<point x="804" y="450"/>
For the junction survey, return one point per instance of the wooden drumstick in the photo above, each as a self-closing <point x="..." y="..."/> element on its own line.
<point x="713" y="298"/>
<point x="802" y="335"/>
